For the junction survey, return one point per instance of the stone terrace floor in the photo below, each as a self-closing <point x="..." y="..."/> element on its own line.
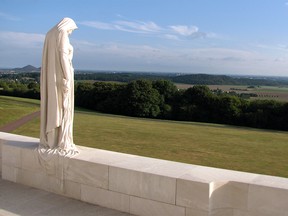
<point x="16" y="199"/>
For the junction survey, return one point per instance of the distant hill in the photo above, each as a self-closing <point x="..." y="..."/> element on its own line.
<point x="206" y="79"/>
<point x="193" y="79"/>
<point x="27" y="68"/>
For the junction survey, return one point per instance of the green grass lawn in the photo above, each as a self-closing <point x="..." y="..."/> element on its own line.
<point x="213" y="145"/>
<point x="12" y="108"/>
<point x="237" y="148"/>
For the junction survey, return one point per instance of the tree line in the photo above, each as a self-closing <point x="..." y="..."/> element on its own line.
<point x="194" y="79"/>
<point x="28" y="89"/>
<point x="161" y="99"/>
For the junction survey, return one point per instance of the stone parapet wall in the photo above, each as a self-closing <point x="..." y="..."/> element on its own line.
<point x="141" y="185"/>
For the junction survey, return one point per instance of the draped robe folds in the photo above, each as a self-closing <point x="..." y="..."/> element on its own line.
<point x="57" y="88"/>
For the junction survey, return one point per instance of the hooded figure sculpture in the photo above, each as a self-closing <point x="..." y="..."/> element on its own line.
<point x="57" y="88"/>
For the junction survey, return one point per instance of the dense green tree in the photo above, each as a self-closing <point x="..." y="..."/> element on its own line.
<point x="142" y="99"/>
<point x="83" y="94"/>
<point x="198" y="103"/>
<point x="33" y="85"/>
<point x="108" y="97"/>
<point x="167" y="90"/>
<point x="265" y="114"/>
<point x="198" y="94"/>
<point x="4" y="85"/>
<point x="227" y="109"/>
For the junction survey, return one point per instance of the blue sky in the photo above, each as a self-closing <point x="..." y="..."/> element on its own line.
<point x="189" y="36"/>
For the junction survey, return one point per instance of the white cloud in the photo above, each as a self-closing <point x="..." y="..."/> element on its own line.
<point x="171" y="37"/>
<point x="127" y="26"/>
<point x="141" y="27"/>
<point x="277" y="47"/>
<point x="9" y="17"/>
<point x="20" y="49"/>
<point x="98" y="25"/>
<point x="184" y="30"/>
<point x="20" y="39"/>
<point x="190" y="32"/>
<point x="118" y="56"/>
<point x="170" y="32"/>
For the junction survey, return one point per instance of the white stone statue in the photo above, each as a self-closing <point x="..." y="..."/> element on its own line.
<point x="57" y="89"/>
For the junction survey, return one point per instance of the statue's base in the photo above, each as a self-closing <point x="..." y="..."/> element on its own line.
<point x="143" y="186"/>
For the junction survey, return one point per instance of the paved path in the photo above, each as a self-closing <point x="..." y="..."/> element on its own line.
<point x="14" y="125"/>
<point x="16" y="199"/>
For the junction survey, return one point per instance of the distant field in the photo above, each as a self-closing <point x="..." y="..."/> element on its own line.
<point x="236" y="148"/>
<point x="263" y="92"/>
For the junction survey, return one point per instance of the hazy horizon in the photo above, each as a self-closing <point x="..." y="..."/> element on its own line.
<point x="155" y="72"/>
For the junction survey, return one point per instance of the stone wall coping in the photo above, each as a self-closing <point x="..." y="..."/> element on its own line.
<point x="157" y="166"/>
<point x="140" y="185"/>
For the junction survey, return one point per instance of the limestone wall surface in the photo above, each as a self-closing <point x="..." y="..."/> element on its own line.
<point x="143" y="186"/>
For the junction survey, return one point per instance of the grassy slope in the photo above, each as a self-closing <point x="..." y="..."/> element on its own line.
<point x="12" y="108"/>
<point x="204" y="144"/>
<point x="244" y="149"/>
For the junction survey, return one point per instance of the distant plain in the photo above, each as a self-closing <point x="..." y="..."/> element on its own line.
<point x="279" y="93"/>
